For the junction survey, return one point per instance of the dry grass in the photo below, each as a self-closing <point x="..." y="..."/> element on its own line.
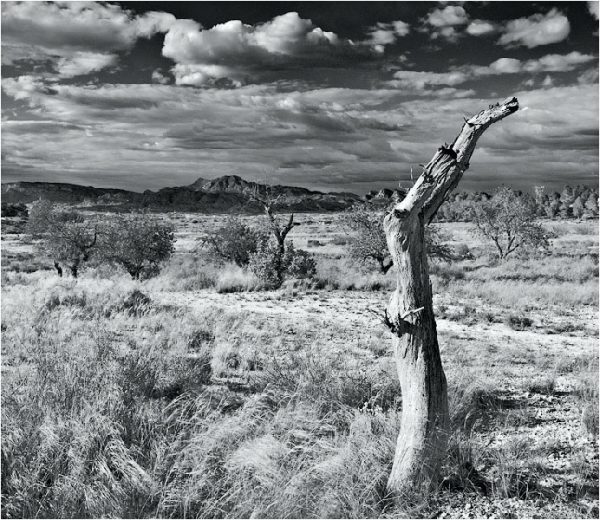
<point x="115" y="404"/>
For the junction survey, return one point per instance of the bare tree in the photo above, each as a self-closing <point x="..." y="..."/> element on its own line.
<point x="508" y="220"/>
<point x="66" y="236"/>
<point x="424" y="426"/>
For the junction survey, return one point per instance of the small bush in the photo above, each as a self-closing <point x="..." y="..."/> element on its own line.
<point x="300" y="263"/>
<point x="235" y="242"/>
<point x="542" y="385"/>
<point x="136" y="303"/>
<point x="519" y="322"/>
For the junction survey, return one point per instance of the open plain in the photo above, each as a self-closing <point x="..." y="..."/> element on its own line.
<point x="191" y="394"/>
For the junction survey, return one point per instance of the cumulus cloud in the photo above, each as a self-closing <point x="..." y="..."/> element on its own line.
<point x="444" y="23"/>
<point x="159" y="77"/>
<point x="593" y="8"/>
<point x="78" y="37"/>
<point x="83" y="63"/>
<point x="235" y="51"/>
<point x="383" y="34"/>
<point x="538" y="29"/>
<point x="422" y="80"/>
<point x="450" y="15"/>
<point x="481" y="28"/>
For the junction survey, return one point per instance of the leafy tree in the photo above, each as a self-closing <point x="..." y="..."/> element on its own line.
<point x="66" y="236"/>
<point x="591" y="204"/>
<point x="367" y="237"/>
<point x="137" y="242"/>
<point x="235" y="241"/>
<point x="507" y="219"/>
<point x="578" y="208"/>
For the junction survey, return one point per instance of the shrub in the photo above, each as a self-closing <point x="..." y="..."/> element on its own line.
<point x="235" y="242"/>
<point x="136" y="303"/>
<point x="542" y="385"/>
<point x="67" y="237"/>
<point x="508" y="220"/>
<point x="519" y="322"/>
<point x="138" y="243"/>
<point x="300" y="263"/>
<point x="271" y="267"/>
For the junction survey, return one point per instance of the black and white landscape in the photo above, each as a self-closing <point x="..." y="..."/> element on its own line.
<point x="299" y="259"/>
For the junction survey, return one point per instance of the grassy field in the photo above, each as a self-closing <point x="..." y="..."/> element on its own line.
<point x="187" y="396"/>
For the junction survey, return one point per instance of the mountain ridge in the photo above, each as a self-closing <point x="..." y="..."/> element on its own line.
<point x="219" y="195"/>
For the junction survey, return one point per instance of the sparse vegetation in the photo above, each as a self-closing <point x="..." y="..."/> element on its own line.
<point x="508" y="220"/>
<point x="193" y="394"/>
<point x="136" y="242"/>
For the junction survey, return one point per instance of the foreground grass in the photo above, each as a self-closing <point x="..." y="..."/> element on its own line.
<point x="116" y="405"/>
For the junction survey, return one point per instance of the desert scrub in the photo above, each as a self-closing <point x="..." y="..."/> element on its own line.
<point x="278" y="458"/>
<point x="85" y="432"/>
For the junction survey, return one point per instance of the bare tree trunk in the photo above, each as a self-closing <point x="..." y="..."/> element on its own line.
<point x="423" y="434"/>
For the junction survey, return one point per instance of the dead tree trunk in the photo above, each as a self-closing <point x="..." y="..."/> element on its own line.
<point x="422" y="441"/>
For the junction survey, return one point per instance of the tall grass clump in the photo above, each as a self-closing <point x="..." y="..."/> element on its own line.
<point x="587" y="392"/>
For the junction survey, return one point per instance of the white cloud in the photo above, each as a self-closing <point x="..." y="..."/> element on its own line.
<point x="538" y="29"/>
<point x="450" y="15"/>
<point x="588" y="77"/>
<point x="557" y="62"/>
<point x="387" y="33"/>
<point x="547" y="81"/>
<point x="421" y="80"/>
<point x="593" y="8"/>
<point x="235" y="50"/>
<point x="83" y="63"/>
<point x="445" y="23"/>
<point x="481" y="27"/>
<point x="159" y="77"/>
<point x="78" y="37"/>
<point x="504" y="66"/>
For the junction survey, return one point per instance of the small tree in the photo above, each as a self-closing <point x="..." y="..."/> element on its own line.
<point x="508" y="220"/>
<point x="138" y="243"/>
<point x="271" y="255"/>
<point x="235" y="241"/>
<point x="66" y="236"/>
<point x="368" y="242"/>
<point x="578" y="208"/>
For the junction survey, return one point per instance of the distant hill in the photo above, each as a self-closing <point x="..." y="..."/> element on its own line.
<point x="229" y="193"/>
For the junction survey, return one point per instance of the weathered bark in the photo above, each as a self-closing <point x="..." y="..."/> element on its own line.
<point x="383" y="266"/>
<point x="424" y="426"/>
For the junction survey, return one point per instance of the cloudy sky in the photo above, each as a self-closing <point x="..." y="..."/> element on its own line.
<point x="331" y="96"/>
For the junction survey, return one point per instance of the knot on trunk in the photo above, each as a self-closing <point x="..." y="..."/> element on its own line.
<point x="400" y="325"/>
